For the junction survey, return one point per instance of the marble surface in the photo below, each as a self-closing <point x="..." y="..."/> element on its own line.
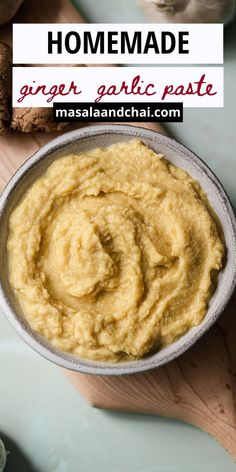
<point x="44" y="422"/>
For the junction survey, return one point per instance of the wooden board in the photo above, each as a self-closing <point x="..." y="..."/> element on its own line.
<point x="200" y="386"/>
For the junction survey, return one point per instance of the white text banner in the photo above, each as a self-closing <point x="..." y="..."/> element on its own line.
<point x="117" y="44"/>
<point x="193" y="86"/>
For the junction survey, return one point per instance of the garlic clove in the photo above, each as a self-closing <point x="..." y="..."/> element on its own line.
<point x="188" y="11"/>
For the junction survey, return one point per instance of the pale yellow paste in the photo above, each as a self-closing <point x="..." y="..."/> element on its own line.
<point x="112" y="253"/>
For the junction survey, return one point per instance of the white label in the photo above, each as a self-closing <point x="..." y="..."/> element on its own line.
<point x="117" y="44"/>
<point x="194" y="86"/>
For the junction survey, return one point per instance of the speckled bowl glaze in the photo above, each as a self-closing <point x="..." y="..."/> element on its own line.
<point x="83" y="140"/>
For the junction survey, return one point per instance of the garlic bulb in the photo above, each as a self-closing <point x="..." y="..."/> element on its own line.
<point x="189" y="11"/>
<point x="8" y="9"/>
<point x="3" y="456"/>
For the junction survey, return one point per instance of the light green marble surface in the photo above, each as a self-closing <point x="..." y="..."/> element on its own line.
<point x="46" y="425"/>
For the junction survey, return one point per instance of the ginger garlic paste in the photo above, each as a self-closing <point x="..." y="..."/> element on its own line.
<point x="114" y="253"/>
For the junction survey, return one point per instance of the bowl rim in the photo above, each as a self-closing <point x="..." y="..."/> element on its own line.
<point x="78" y="364"/>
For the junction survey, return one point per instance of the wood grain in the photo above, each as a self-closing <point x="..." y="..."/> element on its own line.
<point x="199" y="387"/>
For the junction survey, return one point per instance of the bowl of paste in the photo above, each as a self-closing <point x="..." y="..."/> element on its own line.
<point x="118" y="250"/>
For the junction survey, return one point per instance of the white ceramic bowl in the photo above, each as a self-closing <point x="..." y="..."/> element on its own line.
<point x="83" y="140"/>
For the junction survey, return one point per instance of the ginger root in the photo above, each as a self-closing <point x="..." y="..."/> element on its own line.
<point x="5" y="88"/>
<point x="28" y="120"/>
<point x="8" y="9"/>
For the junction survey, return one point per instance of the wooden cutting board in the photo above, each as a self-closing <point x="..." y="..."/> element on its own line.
<point x="200" y="386"/>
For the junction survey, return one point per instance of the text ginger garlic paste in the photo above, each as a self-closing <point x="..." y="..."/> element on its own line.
<point x="113" y="253"/>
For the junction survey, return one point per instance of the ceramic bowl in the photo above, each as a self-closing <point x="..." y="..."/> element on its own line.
<point x="83" y="140"/>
